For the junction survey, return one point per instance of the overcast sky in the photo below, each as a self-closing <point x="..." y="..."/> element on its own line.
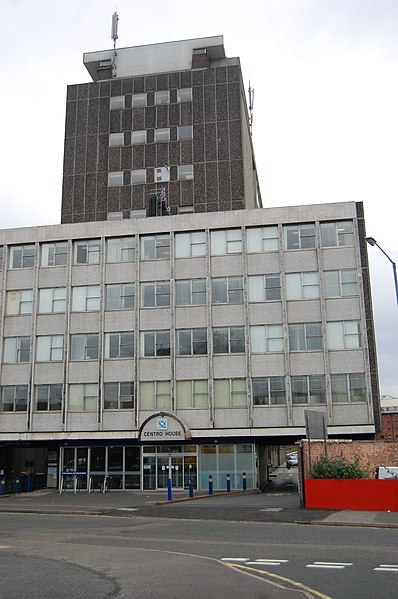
<point x="325" y="129"/>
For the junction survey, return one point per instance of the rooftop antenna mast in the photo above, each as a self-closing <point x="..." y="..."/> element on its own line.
<point x="114" y="36"/>
<point x="251" y="105"/>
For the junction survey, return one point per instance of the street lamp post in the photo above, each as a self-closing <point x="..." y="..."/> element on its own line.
<point x="372" y="241"/>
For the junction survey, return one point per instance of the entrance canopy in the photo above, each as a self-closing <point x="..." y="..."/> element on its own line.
<point x="164" y="427"/>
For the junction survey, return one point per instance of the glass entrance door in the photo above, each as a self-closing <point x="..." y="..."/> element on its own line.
<point x="170" y="467"/>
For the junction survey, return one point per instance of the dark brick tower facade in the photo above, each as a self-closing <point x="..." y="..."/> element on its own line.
<point x="138" y="129"/>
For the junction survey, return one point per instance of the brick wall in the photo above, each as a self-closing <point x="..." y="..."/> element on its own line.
<point x="372" y="454"/>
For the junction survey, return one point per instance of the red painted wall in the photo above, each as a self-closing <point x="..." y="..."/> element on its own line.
<point x="349" y="494"/>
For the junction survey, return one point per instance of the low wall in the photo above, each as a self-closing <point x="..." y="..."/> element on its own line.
<point x="371" y="454"/>
<point x="350" y="494"/>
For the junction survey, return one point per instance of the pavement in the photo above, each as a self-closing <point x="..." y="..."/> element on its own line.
<point x="278" y="503"/>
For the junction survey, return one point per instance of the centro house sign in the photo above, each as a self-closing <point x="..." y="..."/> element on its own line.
<point x="164" y="427"/>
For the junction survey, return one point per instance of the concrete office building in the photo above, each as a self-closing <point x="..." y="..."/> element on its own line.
<point x="188" y="344"/>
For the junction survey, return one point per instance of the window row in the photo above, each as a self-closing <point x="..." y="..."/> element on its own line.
<point x="161" y="135"/>
<point x="156" y="395"/>
<point x="226" y="340"/>
<point x="161" y="97"/>
<point x="139" y="176"/>
<point x="187" y="244"/>
<point x="224" y="290"/>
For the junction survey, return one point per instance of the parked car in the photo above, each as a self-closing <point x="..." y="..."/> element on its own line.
<point x="291" y="459"/>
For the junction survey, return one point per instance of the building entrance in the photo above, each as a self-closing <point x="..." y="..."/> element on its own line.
<point x="179" y="468"/>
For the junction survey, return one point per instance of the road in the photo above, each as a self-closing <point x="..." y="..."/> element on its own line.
<point x="97" y="557"/>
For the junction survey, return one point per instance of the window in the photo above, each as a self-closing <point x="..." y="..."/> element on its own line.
<point x="87" y="251"/>
<point x="83" y="397"/>
<point x="229" y="340"/>
<point x="156" y="294"/>
<point x="263" y="239"/>
<point x="119" y="396"/>
<point x="116" y="139"/>
<point x="230" y="393"/>
<point x="138" y="100"/>
<point x="192" y="394"/>
<point x="115" y="179"/>
<point x="22" y="256"/>
<point x="48" y="398"/>
<point x="185" y="172"/>
<point x="344" y="335"/>
<point x="189" y="245"/>
<point x="191" y="342"/>
<point x="114" y="215"/>
<point x="84" y="346"/>
<point x="299" y="237"/>
<point x="162" y="97"/>
<point x="120" y="249"/>
<point x="155" y="247"/>
<point x="184" y="132"/>
<point x="266" y="338"/>
<point x="85" y="299"/>
<point x="155" y="343"/>
<point x="14" y="398"/>
<point x="184" y="94"/>
<point x="302" y="285"/>
<point x="264" y="288"/>
<point x="269" y="390"/>
<point x="119" y="296"/>
<point x="162" y="135"/>
<point x="185" y="209"/>
<point x="1" y="257"/>
<point x="227" y="290"/>
<point x="138" y="137"/>
<point x="54" y="254"/>
<point x="308" y="389"/>
<point x="155" y="395"/>
<point x="117" y="103"/>
<point x="119" y="345"/>
<point x="190" y="292"/>
<point x="19" y="302"/>
<point x="305" y="336"/>
<point x="49" y="348"/>
<point x="52" y="300"/>
<point x="341" y="283"/>
<point x="138" y="176"/>
<point x="348" y="388"/>
<point x="226" y="242"/>
<point x="16" y="350"/>
<point x="161" y="173"/>
<point x="141" y="213"/>
<point x="339" y="233"/>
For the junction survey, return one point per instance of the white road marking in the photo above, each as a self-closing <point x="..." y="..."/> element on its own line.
<point x="128" y="509"/>
<point x="332" y="565"/>
<point x="387" y="568"/>
<point x="4" y="546"/>
<point x="234" y="559"/>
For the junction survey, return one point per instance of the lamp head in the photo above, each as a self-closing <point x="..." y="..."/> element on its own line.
<point x="371" y="240"/>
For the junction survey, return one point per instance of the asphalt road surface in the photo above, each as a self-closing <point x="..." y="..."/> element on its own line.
<point x="97" y="557"/>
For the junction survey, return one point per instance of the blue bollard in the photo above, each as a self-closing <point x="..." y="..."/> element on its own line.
<point x="29" y="486"/>
<point x="2" y="485"/>
<point x="210" y="484"/>
<point x="228" y="483"/>
<point x="169" y="492"/>
<point x="190" y="487"/>
<point x="244" y="481"/>
<point x="17" y="487"/>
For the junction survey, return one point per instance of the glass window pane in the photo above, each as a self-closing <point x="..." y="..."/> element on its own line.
<point x="221" y="393"/>
<point x="184" y="394"/>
